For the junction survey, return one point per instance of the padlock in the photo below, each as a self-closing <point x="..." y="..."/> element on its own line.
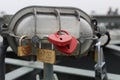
<point x="60" y="38"/>
<point x="24" y="50"/>
<point x="68" y="49"/>
<point x="46" y="55"/>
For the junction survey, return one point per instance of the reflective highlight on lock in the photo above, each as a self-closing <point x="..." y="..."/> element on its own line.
<point x="24" y="50"/>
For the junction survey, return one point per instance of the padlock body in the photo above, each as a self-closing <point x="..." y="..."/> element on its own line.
<point x="46" y="56"/>
<point x="68" y="49"/>
<point x="24" y="50"/>
<point x="60" y="40"/>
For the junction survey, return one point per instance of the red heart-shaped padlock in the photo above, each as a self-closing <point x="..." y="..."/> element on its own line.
<point x="68" y="49"/>
<point x="60" y="38"/>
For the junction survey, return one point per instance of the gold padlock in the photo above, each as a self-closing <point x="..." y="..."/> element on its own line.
<point x="24" y="50"/>
<point x="46" y="55"/>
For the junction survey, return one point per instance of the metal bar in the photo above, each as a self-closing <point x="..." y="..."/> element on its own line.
<point x="48" y="71"/>
<point x="114" y="42"/>
<point x="98" y="52"/>
<point x="35" y="19"/>
<point x="3" y="49"/>
<point x="100" y="67"/>
<point x="2" y="62"/>
<point x="102" y="55"/>
<point x="115" y="48"/>
<point x="18" y="73"/>
<point x="107" y="18"/>
<point x="61" y="69"/>
<point x="58" y="18"/>
<point x="55" y="76"/>
<point x="37" y="77"/>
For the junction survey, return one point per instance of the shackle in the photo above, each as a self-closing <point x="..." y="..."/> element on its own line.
<point x="45" y="37"/>
<point x="21" y="38"/>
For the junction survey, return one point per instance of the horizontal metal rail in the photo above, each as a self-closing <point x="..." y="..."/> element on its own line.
<point x="115" y="48"/>
<point x="114" y="42"/>
<point x="18" y="73"/>
<point x="61" y="69"/>
<point x="108" y="18"/>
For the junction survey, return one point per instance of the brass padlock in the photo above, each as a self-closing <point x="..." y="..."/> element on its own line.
<point x="24" y="50"/>
<point x="46" y="55"/>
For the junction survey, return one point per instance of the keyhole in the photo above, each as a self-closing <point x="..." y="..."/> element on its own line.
<point x="60" y="38"/>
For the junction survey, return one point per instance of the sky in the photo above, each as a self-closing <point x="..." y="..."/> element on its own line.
<point x="99" y="6"/>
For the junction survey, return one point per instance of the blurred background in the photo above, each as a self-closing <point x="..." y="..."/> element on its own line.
<point x="90" y="7"/>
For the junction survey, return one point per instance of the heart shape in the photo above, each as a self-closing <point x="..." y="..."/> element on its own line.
<point x="68" y="49"/>
<point x="60" y="38"/>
